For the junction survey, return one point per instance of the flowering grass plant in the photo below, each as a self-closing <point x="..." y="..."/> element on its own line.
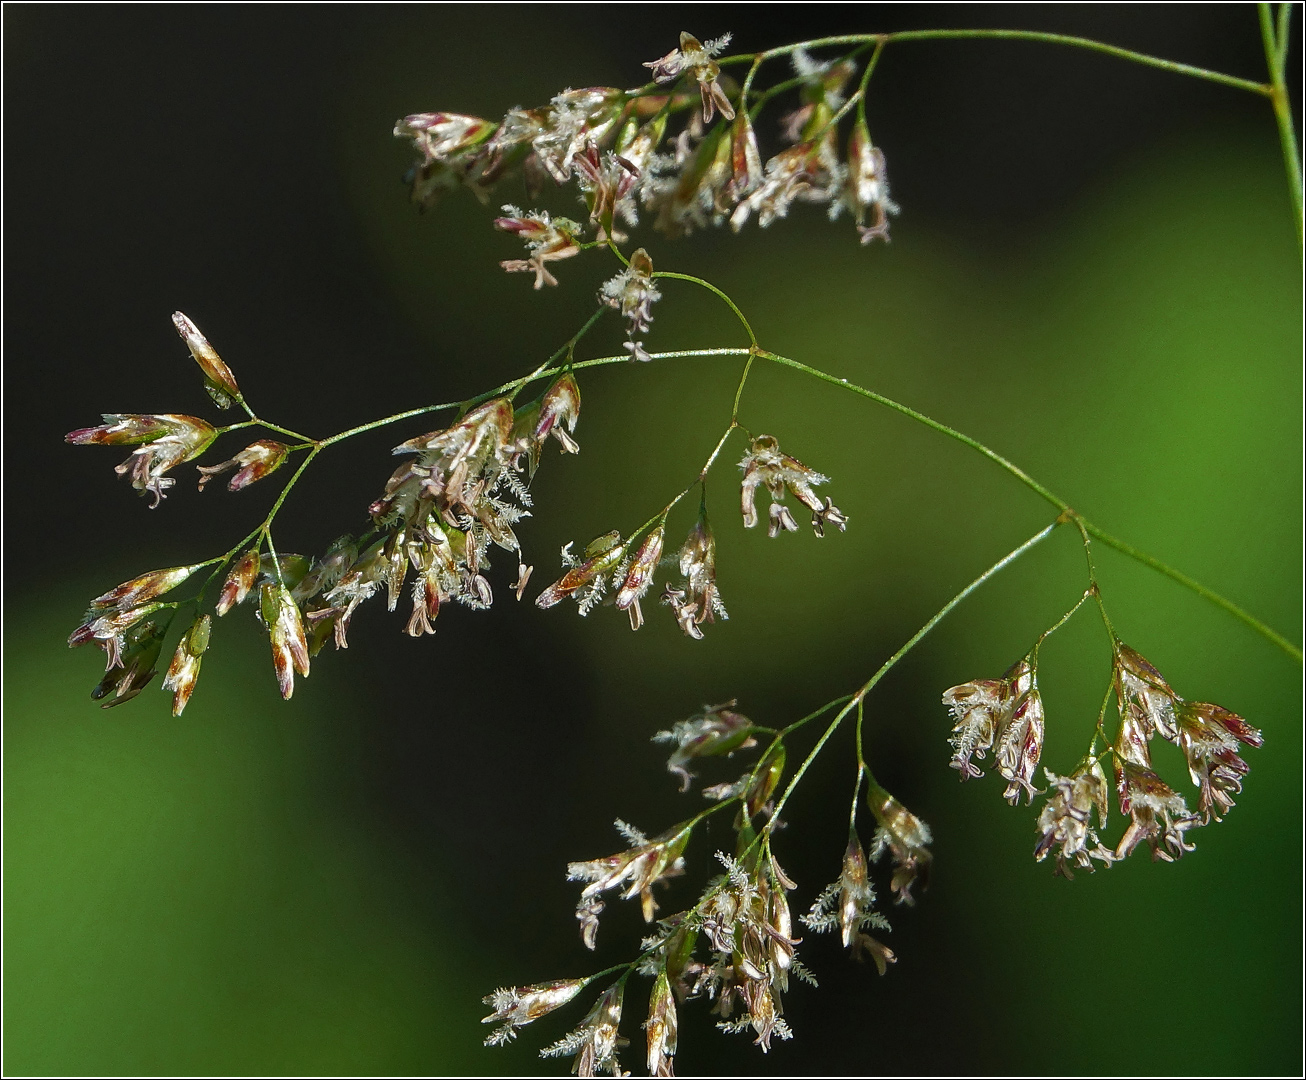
<point x="680" y="153"/>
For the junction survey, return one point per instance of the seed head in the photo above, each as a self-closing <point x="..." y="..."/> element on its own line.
<point x="904" y="837"/>
<point x="1006" y="714"/>
<point x="662" y="1027"/>
<point x="766" y="779"/>
<point x="607" y="182"/>
<point x="586" y="580"/>
<point x="143" y="589"/>
<point x="698" y="568"/>
<point x="218" y="379"/>
<point x="256" y="461"/>
<point x="559" y="411"/>
<point x="1157" y="813"/>
<point x="1210" y="736"/>
<point x="110" y="629"/>
<point x="281" y="616"/>
<point x="133" y="665"/>
<point x="1146" y="704"/>
<point x="239" y="581"/>
<point x="765" y="466"/>
<point x="745" y="161"/>
<point x="1066" y="820"/>
<point x="633" y="293"/>
<point x="867" y="186"/>
<point x="716" y="731"/>
<point x="696" y="59"/>
<point x="640" y="576"/>
<point x="847" y="904"/>
<point x="185" y="667"/>
<point x="168" y="438"/>
<point x="515" y="1007"/>
<point x="596" y="1041"/>
<point x="548" y="240"/>
<point x="636" y="870"/>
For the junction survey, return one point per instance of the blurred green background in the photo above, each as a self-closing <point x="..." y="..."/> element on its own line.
<point x="1097" y="278"/>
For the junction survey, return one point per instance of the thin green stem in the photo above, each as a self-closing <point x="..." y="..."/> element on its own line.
<point x="1072" y="41"/>
<point x="1063" y="620"/>
<point x="394" y="418"/>
<point x="1100" y="729"/>
<point x="1276" y="56"/>
<point x="861" y="757"/>
<point x="920" y="417"/>
<point x="910" y="644"/>
<point x="287" y="431"/>
<point x="545" y="370"/>
<point x="1201" y="590"/>
<point x="866" y="78"/>
<point x="1094" y="589"/>
<point x="294" y="479"/>
<point x="255" y="421"/>
<point x="739" y="390"/>
<point x="861" y="774"/>
<point x="773" y="91"/>
<point x="748" y="83"/>
<point x="1281" y="53"/>
<point x="612" y="246"/>
<point x="803" y="721"/>
<point x="266" y="530"/>
<point x="712" y="289"/>
<point x="1069" y="40"/>
<point x="1093" y="530"/>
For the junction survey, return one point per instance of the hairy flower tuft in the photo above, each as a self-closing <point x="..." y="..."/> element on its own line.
<point x="1066" y="820"/>
<point x="1004" y="714"/>
<point x="1157" y="813"/>
<point x="548" y="240"/>
<point x="596" y="1041"/>
<point x="765" y="466"/>
<point x="695" y="58"/>
<point x="633" y="293"/>
<point x="847" y="905"/>
<point x="716" y="731"/>
<point x="168" y="439"/>
<point x="586" y="579"/>
<point x="636" y="870"/>
<point x="256" y="461"/>
<point x="515" y="1007"/>
<point x="904" y="838"/>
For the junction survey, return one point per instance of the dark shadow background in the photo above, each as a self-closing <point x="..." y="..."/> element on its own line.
<point x="1093" y="272"/>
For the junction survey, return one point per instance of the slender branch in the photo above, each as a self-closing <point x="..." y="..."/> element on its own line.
<point x="920" y="417"/>
<point x="911" y="643"/>
<point x="284" y="431"/>
<point x="1276" y="56"/>
<point x="713" y="289"/>
<point x="1281" y="53"/>
<point x="1093" y="530"/>
<point x="1197" y="587"/>
<point x="866" y="78"/>
<point x="1072" y="41"/>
